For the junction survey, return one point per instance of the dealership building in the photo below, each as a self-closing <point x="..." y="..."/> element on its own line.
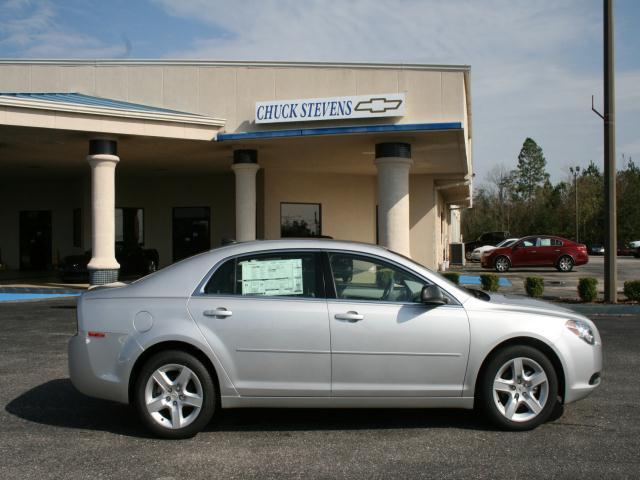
<point x="179" y="156"/>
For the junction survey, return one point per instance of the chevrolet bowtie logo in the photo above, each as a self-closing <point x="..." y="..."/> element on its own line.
<point x="378" y="105"/>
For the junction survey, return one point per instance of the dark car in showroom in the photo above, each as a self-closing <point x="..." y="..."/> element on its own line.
<point x="133" y="259"/>
<point x="487" y="238"/>
<point x="537" y="251"/>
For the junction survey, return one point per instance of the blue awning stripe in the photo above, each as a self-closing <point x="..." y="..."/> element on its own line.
<point x="303" y="132"/>
<point x="81" y="99"/>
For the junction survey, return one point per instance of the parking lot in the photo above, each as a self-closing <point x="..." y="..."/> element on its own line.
<point x="51" y="431"/>
<point x="562" y="285"/>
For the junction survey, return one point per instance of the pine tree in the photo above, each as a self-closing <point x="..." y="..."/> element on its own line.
<point x="531" y="171"/>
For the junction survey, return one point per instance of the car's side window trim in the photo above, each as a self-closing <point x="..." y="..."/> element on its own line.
<point x="320" y="281"/>
<point x="332" y="287"/>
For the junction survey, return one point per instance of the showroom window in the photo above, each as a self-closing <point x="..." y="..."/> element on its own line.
<point x="130" y="226"/>
<point x="268" y="275"/>
<point x="300" y="220"/>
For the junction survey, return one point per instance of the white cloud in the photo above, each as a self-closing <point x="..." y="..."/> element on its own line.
<point x="33" y="29"/>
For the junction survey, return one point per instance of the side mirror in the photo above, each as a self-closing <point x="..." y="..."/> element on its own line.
<point x="515" y="247"/>
<point x="432" y="295"/>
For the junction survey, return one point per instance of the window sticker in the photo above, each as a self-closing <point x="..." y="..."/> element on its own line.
<point x="272" y="277"/>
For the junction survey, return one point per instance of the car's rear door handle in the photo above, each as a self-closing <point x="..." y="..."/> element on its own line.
<point x="349" y="316"/>
<point x="218" y="312"/>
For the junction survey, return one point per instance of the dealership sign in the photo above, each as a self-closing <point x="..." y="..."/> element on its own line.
<point x="332" y="108"/>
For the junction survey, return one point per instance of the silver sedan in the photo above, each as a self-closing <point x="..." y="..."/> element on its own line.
<point x="322" y="323"/>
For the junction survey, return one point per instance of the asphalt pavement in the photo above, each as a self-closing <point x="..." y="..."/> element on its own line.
<point x="559" y="284"/>
<point x="51" y="431"/>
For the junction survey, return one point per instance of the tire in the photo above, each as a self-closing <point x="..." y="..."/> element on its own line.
<point x="502" y="264"/>
<point x="518" y="405"/>
<point x="174" y="410"/>
<point x="565" y="264"/>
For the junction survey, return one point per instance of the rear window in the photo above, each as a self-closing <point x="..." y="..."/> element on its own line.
<point x="266" y="275"/>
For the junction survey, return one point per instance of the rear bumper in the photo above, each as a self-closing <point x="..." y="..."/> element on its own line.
<point x="100" y="367"/>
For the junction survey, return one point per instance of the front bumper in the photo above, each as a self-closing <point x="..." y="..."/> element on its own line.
<point x="583" y="366"/>
<point x="100" y="367"/>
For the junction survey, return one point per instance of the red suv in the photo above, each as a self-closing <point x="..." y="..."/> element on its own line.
<point x="537" y="251"/>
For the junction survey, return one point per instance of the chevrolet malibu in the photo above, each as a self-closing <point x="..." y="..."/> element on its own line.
<point x="323" y="323"/>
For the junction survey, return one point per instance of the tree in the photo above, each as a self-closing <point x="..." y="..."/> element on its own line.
<point x="531" y="171"/>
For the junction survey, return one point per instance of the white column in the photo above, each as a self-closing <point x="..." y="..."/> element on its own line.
<point x="245" y="167"/>
<point x="103" y="267"/>
<point x="393" y="161"/>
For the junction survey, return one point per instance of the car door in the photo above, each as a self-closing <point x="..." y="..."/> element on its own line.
<point x="383" y="341"/>
<point x="265" y="317"/>
<point x="546" y="251"/>
<point x="525" y="253"/>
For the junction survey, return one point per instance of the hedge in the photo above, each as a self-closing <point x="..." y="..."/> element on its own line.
<point x="534" y="286"/>
<point x="452" y="276"/>
<point x="588" y="289"/>
<point x="490" y="282"/>
<point x="632" y="290"/>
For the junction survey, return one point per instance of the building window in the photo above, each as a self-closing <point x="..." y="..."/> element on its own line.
<point x="300" y="220"/>
<point x="130" y="226"/>
<point x="77" y="227"/>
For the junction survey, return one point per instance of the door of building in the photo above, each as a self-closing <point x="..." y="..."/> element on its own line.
<point x="191" y="231"/>
<point x="35" y="240"/>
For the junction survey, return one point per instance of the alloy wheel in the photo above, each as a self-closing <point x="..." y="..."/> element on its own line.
<point x="502" y="264"/>
<point x="520" y="389"/>
<point x="565" y="264"/>
<point x="173" y="396"/>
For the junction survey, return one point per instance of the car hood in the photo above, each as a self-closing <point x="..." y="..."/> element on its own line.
<point x="522" y="304"/>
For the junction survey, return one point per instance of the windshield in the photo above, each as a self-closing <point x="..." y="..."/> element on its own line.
<point x="507" y="243"/>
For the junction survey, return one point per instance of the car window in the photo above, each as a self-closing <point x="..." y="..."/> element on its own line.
<point x="364" y="278"/>
<point x="265" y="275"/>
<point x="529" y="242"/>
<point x="556" y="243"/>
<point x="543" y="242"/>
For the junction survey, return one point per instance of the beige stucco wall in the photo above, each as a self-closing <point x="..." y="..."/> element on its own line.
<point x="230" y="91"/>
<point x="348" y="202"/>
<point x="422" y="220"/>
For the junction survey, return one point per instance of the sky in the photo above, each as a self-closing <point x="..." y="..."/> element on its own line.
<point x="534" y="63"/>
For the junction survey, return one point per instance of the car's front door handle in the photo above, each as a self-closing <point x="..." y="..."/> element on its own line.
<point x="218" y="312"/>
<point x="349" y="316"/>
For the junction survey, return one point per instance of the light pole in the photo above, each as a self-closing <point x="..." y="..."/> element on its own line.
<point x="575" y="171"/>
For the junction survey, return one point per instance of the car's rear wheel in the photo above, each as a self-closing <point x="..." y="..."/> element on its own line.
<point x="519" y="388"/>
<point x="502" y="264"/>
<point x="565" y="264"/>
<point x="175" y="395"/>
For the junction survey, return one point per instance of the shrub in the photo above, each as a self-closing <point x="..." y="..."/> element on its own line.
<point x="452" y="276"/>
<point x="534" y="286"/>
<point x="588" y="289"/>
<point x="490" y="282"/>
<point x="632" y="290"/>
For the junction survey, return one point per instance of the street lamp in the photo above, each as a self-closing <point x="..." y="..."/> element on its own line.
<point x="575" y="171"/>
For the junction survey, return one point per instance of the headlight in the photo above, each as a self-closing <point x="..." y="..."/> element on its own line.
<point x="582" y="330"/>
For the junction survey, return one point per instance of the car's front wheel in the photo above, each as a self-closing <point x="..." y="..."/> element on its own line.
<point x="519" y="388"/>
<point x="175" y="395"/>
